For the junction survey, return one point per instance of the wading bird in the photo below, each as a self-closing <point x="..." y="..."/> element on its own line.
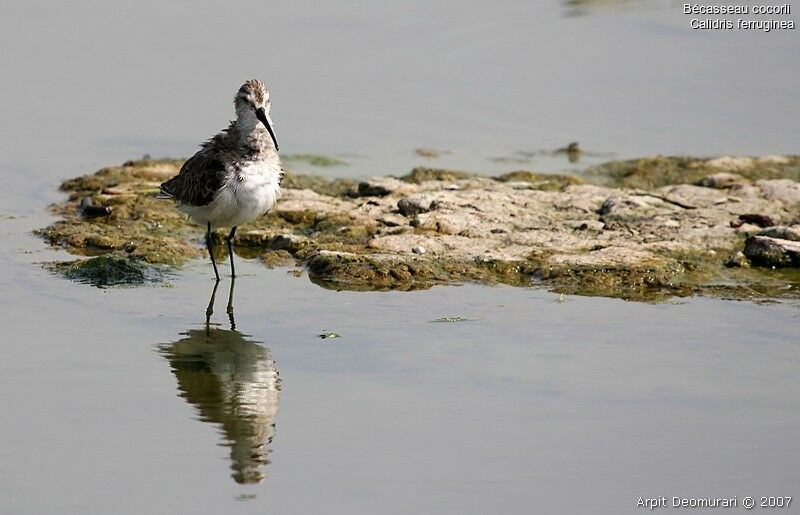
<point x="236" y="176"/>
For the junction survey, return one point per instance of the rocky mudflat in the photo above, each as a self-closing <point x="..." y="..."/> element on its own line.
<point x="643" y="229"/>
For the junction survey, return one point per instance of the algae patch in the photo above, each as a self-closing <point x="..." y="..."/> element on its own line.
<point x="318" y="184"/>
<point x="454" y="319"/>
<point x="658" y="171"/>
<point x="107" y="271"/>
<point x="315" y="160"/>
<point x="421" y="174"/>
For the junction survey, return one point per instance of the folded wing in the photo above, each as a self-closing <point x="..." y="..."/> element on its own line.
<point x="198" y="181"/>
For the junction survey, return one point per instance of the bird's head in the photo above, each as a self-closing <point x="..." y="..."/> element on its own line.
<point x="253" y="98"/>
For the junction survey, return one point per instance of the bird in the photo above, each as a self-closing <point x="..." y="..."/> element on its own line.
<point x="236" y="175"/>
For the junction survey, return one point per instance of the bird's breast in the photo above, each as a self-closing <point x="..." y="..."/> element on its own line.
<point x="255" y="176"/>
<point x="251" y="190"/>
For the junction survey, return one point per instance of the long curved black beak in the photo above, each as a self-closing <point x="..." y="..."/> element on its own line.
<point x="262" y="115"/>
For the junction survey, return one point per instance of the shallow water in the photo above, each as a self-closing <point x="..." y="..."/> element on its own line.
<point x="583" y="404"/>
<point x="126" y="401"/>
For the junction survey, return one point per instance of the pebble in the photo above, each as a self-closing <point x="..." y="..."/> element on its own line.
<point x="737" y="260"/>
<point x="90" y="210"/>
<point x="415" y="204"/>
<point x="378" y="187"/>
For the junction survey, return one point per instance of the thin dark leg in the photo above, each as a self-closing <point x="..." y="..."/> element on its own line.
<point x="230" y="304"/>
<point x="230" y="252"/>
<point x="210" y="248"/>
<point x="210" y="308"/>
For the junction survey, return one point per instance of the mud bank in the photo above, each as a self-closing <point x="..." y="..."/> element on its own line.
<point x="644" y="229"/>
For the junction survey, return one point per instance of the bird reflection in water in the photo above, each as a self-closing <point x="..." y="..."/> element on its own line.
<point x="233" y="382"/>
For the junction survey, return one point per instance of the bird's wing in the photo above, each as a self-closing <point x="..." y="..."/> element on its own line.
<point x="197" y="182"/>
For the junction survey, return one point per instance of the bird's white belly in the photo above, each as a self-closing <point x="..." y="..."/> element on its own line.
<point x="245" y="196"/>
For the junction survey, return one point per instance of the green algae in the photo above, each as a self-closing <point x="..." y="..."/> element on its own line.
<point x="367" y="272"/>
<point x="107" y="272"/>
<point x="276" y="258"/>
<point x="421" y="174"/>
<point x="431" y="153"/>
<point x="542" y="181"/>
<point x="653" y="281"/>
<point x="519" y="157"/>
<point x="454" y="319"/>
<point x="315" y="160"/>
<point x="322" y="185"/>
<point x="647" y="280"/>
<point x="654" y="172"/>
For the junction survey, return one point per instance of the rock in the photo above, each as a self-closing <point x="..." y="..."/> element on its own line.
<point x="618" y="202"/>
<point x="784" y="190"/>
<point x="756" y="219"/>
<point x="737" y="260"/>
<point x="288" y="242"/>
<point x="722" y="180"/>
<point x="276" y="258"/>
<point x="415" y="204"/>
<point x="632" y="206"/>
<point x="251" y="238"/>
<point x="90" y="210"/>
<point x="782" y="232"/>
<point x="379" y="187"/>
<point x="419" y="249"/>
<point x="772" y="252"/>
<point x="589" y="225"/>
<point x="391" y="220"/>
<point x="689" y="196"/>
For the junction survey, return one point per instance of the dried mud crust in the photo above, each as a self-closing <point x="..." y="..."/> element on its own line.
<point x="644" y="229"/>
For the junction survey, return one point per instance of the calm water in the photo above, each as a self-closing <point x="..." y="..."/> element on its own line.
<point x="127" y="401"/>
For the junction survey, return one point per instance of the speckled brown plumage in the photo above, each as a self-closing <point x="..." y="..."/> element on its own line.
<point x="256" y="88"/>
<point x="199" y="179"/>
